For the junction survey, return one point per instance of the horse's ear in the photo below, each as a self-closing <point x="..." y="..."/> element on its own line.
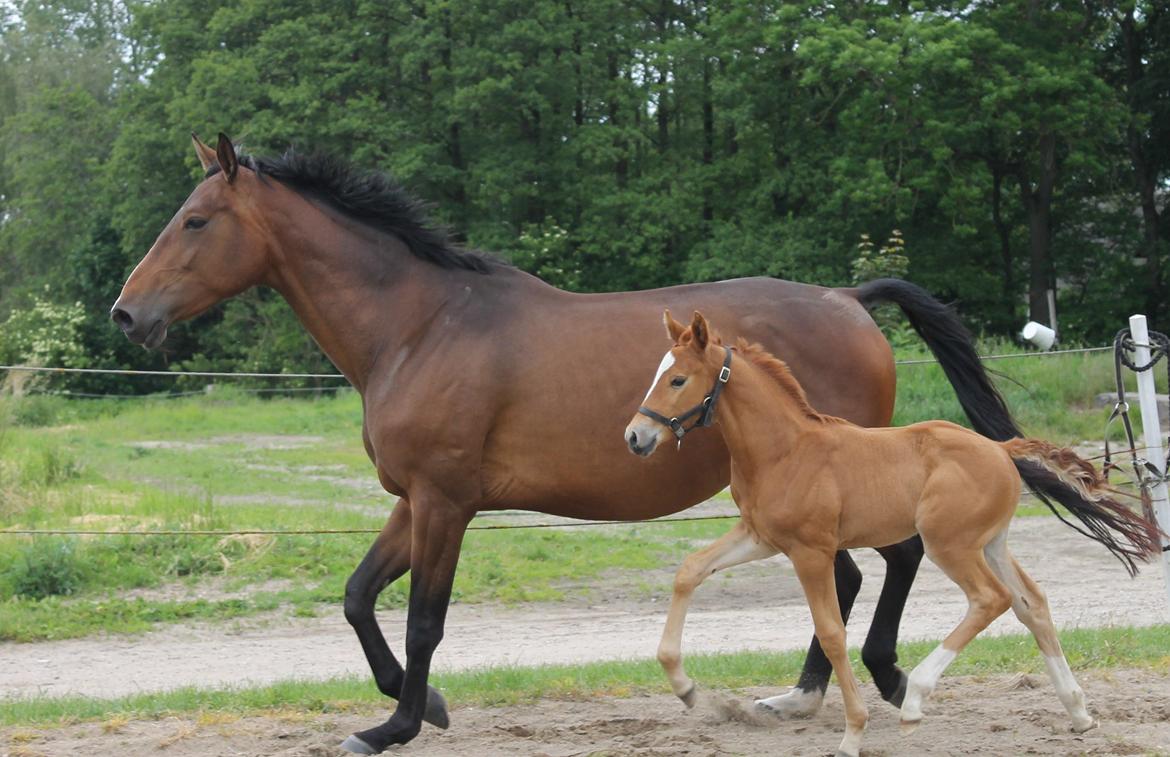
<point x="225" y="153"/>
<point x="700" y="330"/>
<point x="674" y="329"/>
<point x="206" y="155"/>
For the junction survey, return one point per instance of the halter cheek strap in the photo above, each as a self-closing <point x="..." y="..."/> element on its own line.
<point x="705" y="409"/>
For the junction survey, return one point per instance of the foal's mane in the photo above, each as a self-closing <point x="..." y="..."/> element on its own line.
<point x="372" y="197"/>
<point x="778" y="371"/>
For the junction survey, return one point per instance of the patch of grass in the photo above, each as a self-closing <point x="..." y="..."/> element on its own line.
<point x="1086" y="649"/>
<point x="226" y="460"/>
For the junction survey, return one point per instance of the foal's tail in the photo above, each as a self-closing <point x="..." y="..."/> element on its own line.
<point x="954" y="349"/>
<point x="1055" y="473"/>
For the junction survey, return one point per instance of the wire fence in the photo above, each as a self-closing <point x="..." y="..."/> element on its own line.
<point x="365" y="531"/>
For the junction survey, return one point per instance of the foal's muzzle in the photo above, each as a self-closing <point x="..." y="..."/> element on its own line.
<point x="641" y="445"/>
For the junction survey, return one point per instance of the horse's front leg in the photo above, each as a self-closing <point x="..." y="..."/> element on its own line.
<point x="736" y="546"/>
<point x="437" y="528"/>
<point x="880" y="652"/>
<point x="806" y="696"/>
<point x="387" y="560"/>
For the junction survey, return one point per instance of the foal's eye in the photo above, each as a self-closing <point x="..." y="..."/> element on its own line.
<point x="195" y="223"/>
<point x="678" y="381"/>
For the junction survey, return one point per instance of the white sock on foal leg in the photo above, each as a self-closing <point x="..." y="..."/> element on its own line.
<point x="922" y="681"/>
<point x="1069" y="692"/>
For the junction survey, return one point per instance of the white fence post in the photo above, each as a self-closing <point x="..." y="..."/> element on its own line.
<point x="1152" y="431"/>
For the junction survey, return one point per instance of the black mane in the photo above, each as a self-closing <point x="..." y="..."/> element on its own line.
<point x="372" y="197"/>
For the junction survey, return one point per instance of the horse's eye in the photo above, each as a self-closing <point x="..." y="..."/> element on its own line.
<point x="195" y="223"/>
<point x="678" y="381"/>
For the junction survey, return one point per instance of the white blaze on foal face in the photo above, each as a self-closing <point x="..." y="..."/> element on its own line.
<point x="663" y="367"/>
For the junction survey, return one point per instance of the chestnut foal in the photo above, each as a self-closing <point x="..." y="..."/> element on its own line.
<point x="808" y="485"/>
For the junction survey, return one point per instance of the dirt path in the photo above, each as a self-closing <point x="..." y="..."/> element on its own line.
<point x="753" y="607"/>
<point x="990" y="715"/>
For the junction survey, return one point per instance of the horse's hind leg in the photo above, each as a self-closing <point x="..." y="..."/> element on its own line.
<point x="386" y="561"/>
<point x="1031" y="606"/>
<point x="987" y="599"/>
<point x="733" y="548"/>
<point x="805" y="698"/>
<point x="880" y="652"/>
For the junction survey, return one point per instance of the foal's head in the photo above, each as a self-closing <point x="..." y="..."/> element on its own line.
<point x="685" y="377"/>
<point x="215" y="247"/>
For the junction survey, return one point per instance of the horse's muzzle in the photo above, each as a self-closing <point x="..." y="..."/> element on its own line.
<point x="640" y="447"/>
<point x="150" y="332"/>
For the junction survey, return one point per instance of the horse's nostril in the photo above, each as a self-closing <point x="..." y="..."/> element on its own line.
<point x="633" y="439"/>
<point x="124" y="320"/>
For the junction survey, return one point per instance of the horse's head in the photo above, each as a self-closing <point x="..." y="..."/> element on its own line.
<point x="215" y="247"/>
<point x="686" y="385"/>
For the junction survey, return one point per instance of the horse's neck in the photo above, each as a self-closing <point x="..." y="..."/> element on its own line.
<point x="759" y="419"/>
<point x="359" y="293"/>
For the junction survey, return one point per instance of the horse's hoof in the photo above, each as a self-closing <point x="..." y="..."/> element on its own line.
<point x="1082" y="727"/>
<point x="690" y="697"/>
<point x="435" y="713"/>
<point x="899" y="693"/>
<point x="355" y="745"/>
<point x="909" y="726"/>
<point x="795" y="704"/>
<point x="841" y="753"/>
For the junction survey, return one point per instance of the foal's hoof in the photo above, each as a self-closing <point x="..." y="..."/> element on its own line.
<point x="909" y="726"/>
<point x="435" y="713"/>
<point x="355" y="745"/>
<point x="690" y="697"/>
<point x="1085" y="726"/>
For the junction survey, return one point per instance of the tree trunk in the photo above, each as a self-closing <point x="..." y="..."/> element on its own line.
<point x="1038" y="202"/>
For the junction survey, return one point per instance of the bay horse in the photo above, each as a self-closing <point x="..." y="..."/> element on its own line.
<point x="484" y="388"/>
<point x="810" y="485"/>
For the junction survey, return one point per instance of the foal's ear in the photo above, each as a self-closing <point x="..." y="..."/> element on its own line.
<point x="207" y="157"/>
<point x="225" y="153"/>
<point x="700" y="330"/>
<point x="674" y="329"/>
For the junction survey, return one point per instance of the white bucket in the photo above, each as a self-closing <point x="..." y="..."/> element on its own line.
<point x="1039" y="335"/>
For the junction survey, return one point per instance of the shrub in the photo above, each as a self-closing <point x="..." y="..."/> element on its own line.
<point x="46" y="568"/>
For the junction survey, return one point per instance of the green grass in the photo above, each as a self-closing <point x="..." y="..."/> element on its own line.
<point x="228" y="460"/>
<point x="1147" y="648"/>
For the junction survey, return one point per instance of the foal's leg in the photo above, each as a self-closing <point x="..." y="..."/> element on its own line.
<point x="815" y="570"/>
<point x="987" y="599"/>
<point x="387" y="560"/>
<point x="1031" y="607"/>
<point x="805" y="698"/>
<point x="735" y="547"/>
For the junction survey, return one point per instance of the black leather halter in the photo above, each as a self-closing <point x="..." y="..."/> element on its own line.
<point x="705" y="409"/>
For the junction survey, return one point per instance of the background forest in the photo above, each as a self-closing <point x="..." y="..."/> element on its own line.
<point x="602" y="144"/>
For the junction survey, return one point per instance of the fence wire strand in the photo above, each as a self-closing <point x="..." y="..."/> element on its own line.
<point x="366" y="531"/>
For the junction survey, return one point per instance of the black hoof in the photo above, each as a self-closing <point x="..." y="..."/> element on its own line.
<point x="355" y="745"/>
<point x="690" y="698"/>
<point x="436" y="711"/>
<point x="900" y="692"/>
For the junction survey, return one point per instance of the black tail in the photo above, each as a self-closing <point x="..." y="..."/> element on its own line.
<point x="953" y="346"/>
<point x="1129" y="536"/>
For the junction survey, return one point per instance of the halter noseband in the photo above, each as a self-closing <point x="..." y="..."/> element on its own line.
<point x="705" y="409"/>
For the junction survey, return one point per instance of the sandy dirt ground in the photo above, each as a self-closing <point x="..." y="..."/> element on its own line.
<point x="992" y="715"/>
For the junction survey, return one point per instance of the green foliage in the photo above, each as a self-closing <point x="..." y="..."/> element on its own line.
<point x="607" y="145"/>
<point x="46" y="568"/>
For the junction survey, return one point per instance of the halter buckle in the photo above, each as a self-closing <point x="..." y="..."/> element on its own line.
<point x="724" y="374"/>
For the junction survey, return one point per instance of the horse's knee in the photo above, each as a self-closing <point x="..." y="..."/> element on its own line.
<point x="832" y="640"/>
<point x="359" y="600"/>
